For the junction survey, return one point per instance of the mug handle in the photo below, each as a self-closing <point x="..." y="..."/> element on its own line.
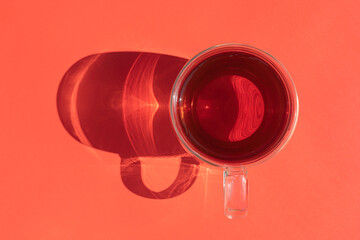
<point x="236" y="191"/>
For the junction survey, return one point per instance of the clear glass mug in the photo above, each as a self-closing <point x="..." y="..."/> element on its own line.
<point x="233" y="106"/>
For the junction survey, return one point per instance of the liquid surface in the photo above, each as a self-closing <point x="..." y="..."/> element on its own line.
<point x="233" y="107"/>
<point x="231" y="103"/>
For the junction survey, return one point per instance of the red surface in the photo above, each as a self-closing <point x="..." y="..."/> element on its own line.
<point x="53" y="187"/>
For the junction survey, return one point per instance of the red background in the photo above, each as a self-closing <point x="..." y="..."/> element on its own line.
<point x="53" y="187"/>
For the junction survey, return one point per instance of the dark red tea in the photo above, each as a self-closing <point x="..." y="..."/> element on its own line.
<point x="233" y="107"/>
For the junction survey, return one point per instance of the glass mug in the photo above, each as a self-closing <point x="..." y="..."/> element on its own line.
<point x="233" y="106"/>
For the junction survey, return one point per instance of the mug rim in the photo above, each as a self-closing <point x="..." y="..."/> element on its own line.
<point x="275" y="64"/>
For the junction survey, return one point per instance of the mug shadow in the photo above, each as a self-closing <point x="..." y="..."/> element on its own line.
<point x="119" y="102"/>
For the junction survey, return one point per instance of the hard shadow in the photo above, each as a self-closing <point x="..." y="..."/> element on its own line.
<point x="119" y="102"/>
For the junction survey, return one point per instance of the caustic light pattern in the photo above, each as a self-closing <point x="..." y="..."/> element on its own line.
<point x="140" y="105"/>
<point x="251" y="109"/>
